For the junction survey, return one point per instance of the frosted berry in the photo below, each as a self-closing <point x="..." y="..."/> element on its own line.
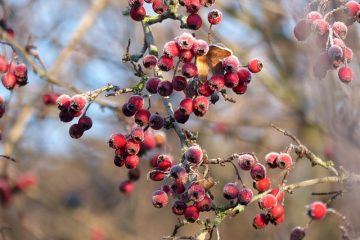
<point x="302" y="30"/>
<point x="178" y="172"/>
<point x="150" y="61"/>
<point x="157" y="175"/>
<point x="77" y="103"/>
<point x="178" y="187"/>
<point x="276" y="212"/>
<point x="245" y="196"/>
<point x="345" y="74"/>
<point x="246" y="161"/>
<point x="156" y="122"/>
<point x="137" y="134"/>
<point x="9" y="80"/>
<point x="317" y="210"/>
<point x="255" y="65"/>
<point x="165" y="63"/>
<point x="258" y="172"/>
<point x="117" y="141"/>
<point x="284" y="161"/>
<point x="204" y="205"/>
<point x="200" y="47"/>
<point x="85" y="122"/>
<point x="171" y="49"/>
<point x="178" y="208"/>
<point x="271" y="158"/>
<point x="179" y="83"/>
<point x="142" y="117"/>
<point x="320" y="26"/>
<point x="340" y="29"/>
<point x="313" y="15"/>
<point x="196" y="192"/>
<point x="193" y="6"/>
<point x="126" y="186"/>
<point x="191" y="214"/>
<point x="187" y="106"/>
<point x="152" y="84"/>
<point x="204" y="89"/>
<point x="194" y="21"/>
<point x="215" y="16"/>
<point x="201" y="105"/>
<point x="132" y="161"/>
<point x="165" y="88"/>
<point x="20" y="71"/>
<point x="159" y="199"/>
<point x="260" y="221"/>
<point x="352" y="8"/>
<point x="186" y="55"/>
<point x="231" y="79"/>
<point x="63" y="101"/>
<point x="135" y="103"/>
<point x="189" y="70"/>
<point x="230" y="63"/>
<point x="185" y="41"/>
<point x="348" y="54"/>
<point x="262" y="185"/>
<point x="217" y="82"/>
<point x="138" y="13"/>
<point x="50" y="98"/>
<point x="164" y="162"/>
<point x="230" y="191"/>
<point x="267" y="202"/>
<point x="132" y="147"/>
<point x="297" y="233"/>
<point x="76" y="131"/>
<point x="194" y="154"/>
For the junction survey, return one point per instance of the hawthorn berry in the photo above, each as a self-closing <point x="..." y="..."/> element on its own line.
<point x="185" y="41"/>
<point x="178" y="207"/>
<point x="135" y="103"/>
<point x="142" y="117"/>
<point x="157" y="175"/>
<point x="240" y="88"/>
<point x="186" y="55"/>
<point x="135" y="3"/>
<point x="230" y="191"/>
<point x="65" y="116"/>
<point x="159" y="199"/>
<point x="165" y="63"/>
<point x="245" y="196"/>
<point x="165" y="88"/>
<point x="117" y="141"/>
<point x="276" y="212"/>
<point x="178" y="187"/>
<point x="201" y="105"/>
<point x="50" y="98"/>
<point x="118" y="161"/>
<point x="345" y="74"/>
<point x="150" y="61"/>
<point x="189" y="70"/>
<point x="297" y="233"/>
<point x="317" y="210"/>
<point x="352" y="8"/>
<point x="255" y="65"/>
<point x="231" y="79"/>
<point x="180" y="116"/>
<point x="178" y="173"/>
<point x="137" y="134"/>
<point x="200" y="47"/>
<point x="191" y="213"/>
<point x="230" y="63"/>
<point x="20" y="71"/>
<point x="194" y="154"/>
<point x="126" y="111"/>
<point x="279" y="194"/>
<point x="260" y="221"/>
<point x="214" y="98"/>
<point x="258" y="171"/>
<point x="9" y="80"/>
<point x="132" y="161"/>
<point x="3" y="64"/>
<point x="284" y="161"/>
<point x="246" y="161"/>
<point x="313" y="15"/>
<point x="126" y="186"/>
<point x="159" y="6"/>
<point x="171" y="49"/>
<point x="196" y="192"/>
<point x="335" y="53"/>
<point x="132" y="147"/>
<point x="271" y="158"/>
<point x="262" y="185"/>
<point x="204" y="89"/>
<point x="217" y="82"/>
<point x="348" y="54"/>
<point x="302" y="30"/>
<point x="76" y="131"/>
<point x="320" y="26"/>
<point x="204" y="205"/>
<point x="193" y="6"/>
<point x="214" y="16"/>
<point x="156" y="122"/>
<point x="152" y="84"/>
<point x="85" y="122"/>
<point x="164" y="162"/>
<point x="194" y="21"/>
<point x="340" y="29"/>
<point x="179" y="83"/>
<point x="267" y="202"/>
<point x="77" y="103"/>
<point x="138" y="13"/>
<point x="25" y="181"/>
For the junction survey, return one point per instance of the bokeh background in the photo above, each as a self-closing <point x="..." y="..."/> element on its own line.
<point x="77" y="193"/>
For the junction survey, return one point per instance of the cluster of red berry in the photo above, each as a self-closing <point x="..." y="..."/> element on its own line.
<point x="70" y="108"/>
<point x="8" y="189"/>
<point x="14" y="74"/>
<point x="330" y="31"/>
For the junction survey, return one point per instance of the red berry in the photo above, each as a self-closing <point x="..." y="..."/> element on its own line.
<point x="126" y="111"/>
<point x="76" y="131"/>
<point x="345" y="74"/>
<point x="137" y="134"/>
<point x="194" y="154"/>
<point x="135" y="103"/>
<point x="186" y="55"/>
<point x="3" y="64"/>
<point x="201" y="106"/>
<point x="320" y="26"/>
<point x="217" y="82"/>
<point x="126" y="186"/>
<point x="231" y="79"/>
<point x="165" y="63"/>
<point x="50" y="98"/>
<point x="215" y="16"/>
<point x="117" y="141"/>
<point x="159" y="6"/>
<point x="245" y="196"/>
<point x="85" y="122"/>
<point x="200" y="47"/>
<point x="352" y="8"/>
<point x="297" y="233"/>
<point x="25" y="181"/>
<point x="149" y="142"/>
<point x="2" y="112"/>
<point x="77" y="103"/>
<point x="260" y="221"/>
<point x="156" y="122"/>
<point x="193" y="6"/>
<point x="196" y="192"/>
<point x="132" y="161"/>
<point x="205" y="90"/>
<point x="246" y="161"/>
<point x="189" y="70"/>
<point x="178" y="208"/>
<point x="191" y="214"/>
<point x="276" y="212"/>
<point x="132" y="147"/>
<point x="118" y="161"/>
<point x="165" y="88"/>
<point x="204" y="205"/>
<point x="20" y="71"/>
<point x="279" y="220"/>
<point x="194" y="21"/>
<point x="171" y="49"/>
<point x="267" y="202"/>
<point x="230" y="191"/>
<point x="179" y="83"/>
<point x="284" y="161"/>
<point x="185" y="41"/>
<point x="150" y="61"/>
<point x="142" y="117"/>
<point x="164" y="162"/>
<point x="65" y="116"/>
<point x="258" y="172"/>
<point x="9" y="80"/>
<point x="240" y="88"/>
<point x="180" y="116"/>
<point x="157" y="175"/>
<point x="230" y="63"/>
<point x="279" y="194"/>
<point x="313" y="15"/>
<point x="340" y="29"/>
<point x="135" y="3"/>
<point x="255" y="65"/>
<point x="178" y="173"/>
<point x="317" y="210"/>
<point x="152" y="84"/>
<point x="262" y="185"/>
<point x="187" y="106"/>
<point x="348" y="54"/>
<point x="138" y="13"/>
<point x="271" y="158"/>
<point x="178" y="186"/>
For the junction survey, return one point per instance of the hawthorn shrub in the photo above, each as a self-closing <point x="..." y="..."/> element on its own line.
<point x="190" y="75"/>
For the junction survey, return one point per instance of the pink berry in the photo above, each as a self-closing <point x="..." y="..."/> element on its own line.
<point x="352" y="8"/>
<point x="230" y="191"/>
<point x="159" y="6"/>
<point x="245" y="196"/>
<point x="317" y="210"/>
<point x="3" y="64"/>
<point x="279" y="194"/>
<point x="320" y="26"/>
<point x="157" y="175"/>
<point x="340" y="29"/>
<point x="230" y="63"/>
<point x="150" y="61"/>
<point x="348" y="54"/>
<point x="215" y="16"/>
<point x="284" y="161"/>
<point x="186" y="55"/>
<point x="200" y="47"/>
<point x="159" y="199"/>
<point x="217" y="82"/>
<point x="171" y="49"/>
<point x="194" y="154"/>
<point x="201" y="106"/>
<point x="185" y="41"/>
<point x="63" y="101"/>
<point x="9" y="80"/>
<point x="271" y="158"/>
<point x="345" y="74"/>
<point x="189" y="70"/>
<point x="193" y="6"/>
<point x="20" y="71"/>
<point x="267" y="202"/>
<point x="258" y="172"/>
<point x="246" y="161"/>
<point x="178" y="172"/>
<point x="132" y="147"/>
<point x="187" y="106"/>
<point x="312" y="16"/>
<point x="196" y="192"/>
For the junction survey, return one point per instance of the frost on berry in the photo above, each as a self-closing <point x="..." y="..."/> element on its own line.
<point x="284" y="161"/>
<point x="215" y="16"/>
<point x="258" y="171"/>
<point x="171" y="49"/>
<point x="201" y="106"/>
<point x="194" y="154"/>
<point x="230" y="191"/>
<point x="271" y="158"/>
<point x="262" y="185"/>
<point x="340" y="29"/>
<point x="245" y="196"/>
<point x="185" y="41"/>
<point x="196" y="192"/>
<point x="142" y="117"/>
<point x="150" y="61"/>
<point x="159" y="199"/>
<point x="246" y="161"/>
<point x="200" y="47"/>
<point x="267" y="202"/>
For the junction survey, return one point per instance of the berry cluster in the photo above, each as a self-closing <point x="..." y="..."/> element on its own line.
<point x="329" y="30"/>
<point x="8" y="190"/>
<point x="70" y="108"/>
<point x="193" y="20"/>
<point x="13" y="74"/>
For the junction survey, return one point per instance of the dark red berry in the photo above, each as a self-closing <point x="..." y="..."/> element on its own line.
<point x="156" y="121"/>
<point x="230" y="191"/>
<point x="204" y="205"/>
<point x="150" y="61"/>
<point x="142" y="117"/>
<point x="201" y="106"/>
<point x="194" y="154"/>
<point x="240" y="88"/>
<point x="118" y="161"/>
<point x="205" y="90"/>
<point x="152" y="84"/>
<point x="246" y="161"/>
<point x="65" y="116"/>
<point x="194" y="21"/>
<point x="196" y="192"/>
<point x="260" y="221"/>
<point x="76" y="131"/>
<point x="297" y="233"/>
<point x="157" y="175"/>
<point x="135" y="103"/>
<point x="180" y="116"/>
<point x="179" y="83"/>
<point x="126" y="186"/>
<point x="245" y="196"/>
<point x="85" y="122"/>
<point x="138" y="13"/>
<point x="178" y="208"/>
<point x="189" y="70"/>
<point x="134" y="174"/>
<point x="231" y="79"/>
<point x="126" y="111"/>
<point x="244" y="76"/>
<point x="159" y="6"/>
<point x="165" y="88"/>
<point x="258" y="172"/>
<point x="191" y="214"/>
<point x="20" y="71"/>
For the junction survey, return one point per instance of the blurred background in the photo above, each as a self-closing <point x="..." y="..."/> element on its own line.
<point x="77" y="197"/>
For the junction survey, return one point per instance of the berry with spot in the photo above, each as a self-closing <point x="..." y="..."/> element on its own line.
<point x="284" y="161"/>
<point x="117" y="141"/>
<point x="215" y="16"/>
<point x="317" y="210"/>
<point x="132" y="147"/>
<point x="271" y="158"/>
<point x="178" y="208"/>
<point x="267" y="202"/>
<point x="194" y="154"/>
<point x="138" y="13"/>
<point x="135" y="103"/>
<point x="171" y="49"/>
<point x="258" y="172"/>
<point x="159" y="199"/>
<point x="150" y="61"/>
<point x="246" y="161"/>
<point x="191" y="213"/>
<point x="142" y="117"/>
<point x="230" y="191"/>
<point x="245" y="196"/>
<point x="255" y="65"/>
<point x="204" y="205"/>
<point x="76" y="131"/>
<point x="165" y="63"/>
<point x="231" y="79"/>
<point x="189" y="70"/>
<point x="201" y="106"/>
<point x="137" y="134"/>
<point x="179" y="83"/>
<point x="194" y="21"/>
<point x="165" y="88"/>
<point x="260" y="221"/>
